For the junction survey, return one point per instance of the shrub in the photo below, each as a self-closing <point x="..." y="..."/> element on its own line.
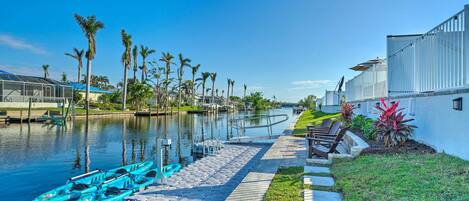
<point x="346" y="112"/>
<point x="391" y="126"/>
<point x="365" y="124"/>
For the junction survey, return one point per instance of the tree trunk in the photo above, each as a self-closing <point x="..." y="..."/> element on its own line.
<point x="80" y="65"/>
<point x="213" y="91"/>
<point x="179" y="95"/>
<point x="228" y="95"/>
<point x="135" y="74"/>
<point x="124" y="91"/>
<point x="88" y="80"/>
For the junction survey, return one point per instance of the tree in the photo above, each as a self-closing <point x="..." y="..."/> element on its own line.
<point x="232" y="89"/>
<point x="139" y="93"/>
<point x="126" y="60"/>
<point x="213" y="77"/>
<point x="167" y="59"/>
<point x="245" y="88"/>
<point x="183" y="62"/>
<point x="64" y="78"/>
<point x="145" y="52"/>
<point x="204" y="77"/>
<point x="78" y="55"/>
<point x="135" y="55"/>
<point x="90" y="27"/>
<point x="45" y="68"/>
<point x="155" y="78"/>
<point x="308" y="102"/>
<point x="228" y="92"/>
<point x="194" y="72"/>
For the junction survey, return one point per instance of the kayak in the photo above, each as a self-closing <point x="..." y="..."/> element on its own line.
<point x="120" y="187"/>
<point x="88" y="183"/>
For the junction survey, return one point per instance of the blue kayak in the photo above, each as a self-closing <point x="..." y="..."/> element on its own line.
<point x="90" y="182"/>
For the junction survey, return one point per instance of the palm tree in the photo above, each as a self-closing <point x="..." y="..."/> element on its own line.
<point x="183" y="62"/>
<point x="167" y="58"/>
<point x="90" y="27"/>
<point x="194" y="72"/>
<point x="228" y="92"/>
<point x="78" y="55"/>
<point x="45" y="68"/>
<point x="135" y="55"/>
<point x="145" y="52"/>
<point x="213" y="77"/>
<point x="245" y="88"/>
<point x="204" y="77"/>
<point x="126" y="60"/>
<point x="64" y="77"/>
<point x="232" y="87"/>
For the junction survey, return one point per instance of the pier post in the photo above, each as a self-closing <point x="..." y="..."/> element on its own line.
<point x="29" y="110"/>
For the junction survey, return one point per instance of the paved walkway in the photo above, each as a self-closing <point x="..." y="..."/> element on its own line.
<point x="287" y="151"/>
<point x="210" y="178"/>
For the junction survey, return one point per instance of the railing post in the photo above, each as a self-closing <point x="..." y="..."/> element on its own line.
<point x="466" y="46"/>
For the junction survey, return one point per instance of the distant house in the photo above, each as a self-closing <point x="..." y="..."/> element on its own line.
<point x="95" y="92"/>
<point x="17" y="90"/>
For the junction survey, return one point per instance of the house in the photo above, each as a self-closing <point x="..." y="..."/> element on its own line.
<point x="95" y="92"/>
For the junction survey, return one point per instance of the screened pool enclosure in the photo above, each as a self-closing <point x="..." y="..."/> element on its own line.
<point x="19" y="88"/>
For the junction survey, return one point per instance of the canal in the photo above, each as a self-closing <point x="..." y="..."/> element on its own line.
<point x="35" y="158"/>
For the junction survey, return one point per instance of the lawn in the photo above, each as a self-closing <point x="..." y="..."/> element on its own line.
<point x="402" y="177"/>
<point x="286" y="185"/>
<point x="308" y="117"/>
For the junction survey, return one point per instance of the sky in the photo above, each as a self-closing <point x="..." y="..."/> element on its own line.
<point x="287" y="49"/>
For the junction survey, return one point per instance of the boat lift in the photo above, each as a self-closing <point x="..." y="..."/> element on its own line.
<point x="240" y="124"/>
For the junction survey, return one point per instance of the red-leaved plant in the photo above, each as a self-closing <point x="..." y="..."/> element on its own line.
<point x="391" y="126"/>
<point x="346" y="112"/>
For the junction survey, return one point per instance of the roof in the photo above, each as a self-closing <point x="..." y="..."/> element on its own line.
<point x="82" y="87"/>
<point x="24" y="78"/>
<point x="366" y="65"/>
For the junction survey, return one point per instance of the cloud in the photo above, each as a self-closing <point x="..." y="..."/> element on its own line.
<point x="19" y="44"/>
<point x="312" y="84"/>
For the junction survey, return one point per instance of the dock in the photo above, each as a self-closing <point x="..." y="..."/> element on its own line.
<point x="154" y="113"/>
<point x="197" y="111"/>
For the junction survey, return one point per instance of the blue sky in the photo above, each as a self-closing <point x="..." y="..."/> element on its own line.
<point x="289" y="49"/>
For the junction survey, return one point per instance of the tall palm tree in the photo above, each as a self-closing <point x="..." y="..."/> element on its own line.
<point x="204" y="77"/>
<point x="245" y="88"/>
<point x="90" y="27"/>
<point x="145" y="52"/>
<point x="126" y="60"/>
<point x="194" y="72"/>
<point x="167" y="59"/>
<point x="213" y="77"/>
<point x="64" y="78"/>
<point x="135" y="55"/>
<point x="228" y="92"/>
<point x="232" y="87"/>
<point x="183" y="62"/>
<point x="78" y="55"/>
<point x="45" y="68"/>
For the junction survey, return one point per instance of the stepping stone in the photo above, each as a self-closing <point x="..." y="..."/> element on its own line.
<point x="317" y="170"/>
<point x="313" y="195"/>
<point x="318" y="181"/>
<point x="320" y="161"/>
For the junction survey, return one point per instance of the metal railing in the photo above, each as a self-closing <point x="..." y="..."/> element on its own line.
<point x="434" y="61"/>
<point x="371" y="83"/>
<point x="240" y="123"/>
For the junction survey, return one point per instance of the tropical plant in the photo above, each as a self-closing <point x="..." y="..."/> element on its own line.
<point x="135" y="56"/>
<point x="245" y="88"/>
<point x="346" y="113"/>
<point x="64" y="78"/>
<point x="364" y="124"/>
<point x="45" y="68"/>
<point x="90" y="27"/>
<point x="145" y="52"/>
<point x="391" y="127"/>
<point x="308" y="102"/>
<point x="77" y="55"/>
<point x="204" y="78"/>
<point x="167" y="59"/>
<point x="194" y="72"/>
<point x="139" y="93"/>
<point x="155" y="78"/>
<point x="232" y="89"/>
<point x="213" y="77"/>
<point x="228" y="91"/>
<point x="126" y="60"/>
<point x="257" y="101"/>
<point x="183" y="62"/>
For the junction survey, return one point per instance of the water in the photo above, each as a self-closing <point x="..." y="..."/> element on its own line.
<point x="36" y="158"/>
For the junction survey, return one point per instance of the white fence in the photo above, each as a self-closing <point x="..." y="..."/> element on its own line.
<point x="435" y="61"/>
<point x="371" y="83"/>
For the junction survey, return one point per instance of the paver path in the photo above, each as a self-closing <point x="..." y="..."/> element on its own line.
<point x="210" y="178"/>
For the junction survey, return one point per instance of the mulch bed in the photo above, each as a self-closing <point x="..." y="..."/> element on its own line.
<point x="377" y="147"/>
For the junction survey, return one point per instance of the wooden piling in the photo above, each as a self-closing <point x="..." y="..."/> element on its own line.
<point x="29" y="110"/>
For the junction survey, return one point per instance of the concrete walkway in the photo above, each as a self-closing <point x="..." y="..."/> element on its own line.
<point x="319" y="181"/>
<point x="287" y="151"/>
<point x="210" y="178"/>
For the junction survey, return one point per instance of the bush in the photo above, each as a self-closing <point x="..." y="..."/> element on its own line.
<point x="366" y="125"/>
<point x="346" y="112"/>
<point x="391" y="126"/>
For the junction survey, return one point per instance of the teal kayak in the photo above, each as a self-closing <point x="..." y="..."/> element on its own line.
<point x="170" y="169"/>
<point x="90" y="182"/>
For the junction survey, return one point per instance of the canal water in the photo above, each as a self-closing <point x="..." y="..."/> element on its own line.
<point x="35" y="158"/>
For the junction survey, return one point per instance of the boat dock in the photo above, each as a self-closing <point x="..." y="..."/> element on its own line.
<point x="154" y="113"/>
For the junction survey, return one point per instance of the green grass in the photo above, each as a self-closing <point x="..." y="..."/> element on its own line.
<point x="402" y="177"/>
<point x="311" y="117"/>
<point x="286" y="185"/>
